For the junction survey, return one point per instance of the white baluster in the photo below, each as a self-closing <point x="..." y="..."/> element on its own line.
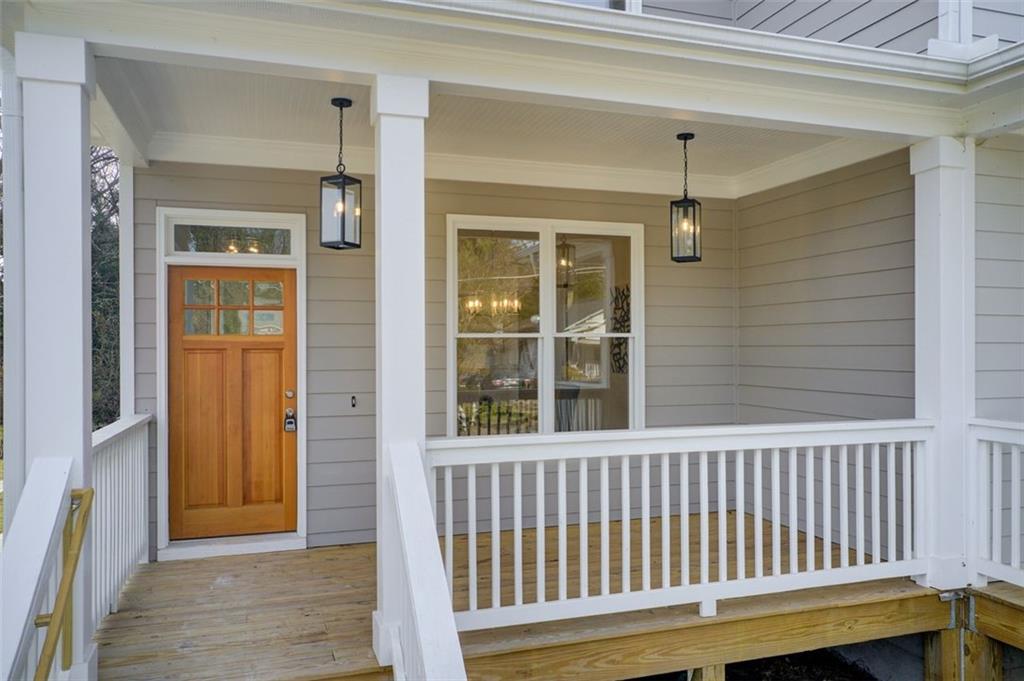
<point x="563" y="561"/>
<point x="741" y="519"/>
<point x="645" y="522"/>
<point x="705" y="539"/>
<point x="723" y="519"/>
<point x="844" y="507"/>
<point x="449" y="539"/>
<point x="541" y="522"/>
<point x="758" y="514"/>
<point x="794" y="513"/>
<point x="908" y="518"/>
<point x="776" y="514"/>
<point x="984" y="501"/>
<point x="471" y="512"/>
<point x="1015" y="483"/>
<point x="876" y="507"/>
<point x="517" y="532"/>
<point x="605" y="538"/>
<point x="666" y="522"/>
<point x="584" y="530"/>
<point x="826" y="507"/>
<point x="860" y="504"/>
<point x="809" y="508"/>
<point x="920" y="534"/>
<point x="997" y="502"/>
<point x="626" y="564"/>
<point x="890" y="517"/>
<point x="684" y="517"/>
<point x="495" y="535"/>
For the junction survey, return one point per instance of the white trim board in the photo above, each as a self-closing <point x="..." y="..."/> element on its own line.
<point x="231" y="546"/>
<point x="296" y="224"/>
<point x="259" y="153"/>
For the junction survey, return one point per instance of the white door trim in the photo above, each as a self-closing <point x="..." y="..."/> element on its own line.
<point x="296" y="224"/>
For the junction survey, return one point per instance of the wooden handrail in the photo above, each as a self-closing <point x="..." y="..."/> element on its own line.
<point x="59" y="621"/>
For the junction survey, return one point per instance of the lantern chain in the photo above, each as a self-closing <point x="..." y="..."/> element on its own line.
<point x="341" y="140"/>
<point x="686" y="171"/>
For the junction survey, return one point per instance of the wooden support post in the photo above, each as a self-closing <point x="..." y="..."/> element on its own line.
<point x="715" y="672"/>
<point x="962" y="655"/>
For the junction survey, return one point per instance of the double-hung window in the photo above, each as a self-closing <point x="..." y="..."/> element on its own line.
<point x="544" y="322"/>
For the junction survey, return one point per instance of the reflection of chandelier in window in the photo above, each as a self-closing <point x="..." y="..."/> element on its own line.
<point x="505" y="305"/>
<point x="566" y="259"/>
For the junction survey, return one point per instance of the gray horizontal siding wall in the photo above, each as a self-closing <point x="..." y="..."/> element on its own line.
<point x="999" y="278"/>
<point x="1004" y="18"/>
<point x="826" y="296"/>
<point x="689" y="348"/>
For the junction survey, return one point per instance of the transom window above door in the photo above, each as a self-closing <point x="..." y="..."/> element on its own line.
<point x="542" y="326"/>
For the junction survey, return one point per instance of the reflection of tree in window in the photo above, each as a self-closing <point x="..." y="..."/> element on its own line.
<point x="498" y="282"/>
<point x="219" y="239"/>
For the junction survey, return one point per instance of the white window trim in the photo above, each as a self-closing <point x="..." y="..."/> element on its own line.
<point x="547" y="335"/>
<point x="166" y="218"/>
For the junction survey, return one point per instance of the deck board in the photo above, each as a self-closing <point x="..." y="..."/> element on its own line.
<point x="307" y="614"/>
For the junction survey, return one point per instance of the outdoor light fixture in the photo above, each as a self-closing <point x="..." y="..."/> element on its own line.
<point x="684" y="217"/>
<point x="341" y="197"/>
<point x="566" y="259"/>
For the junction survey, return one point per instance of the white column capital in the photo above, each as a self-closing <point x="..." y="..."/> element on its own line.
<point x="941" y="152"/>
<point x="399" y="96"/>
<point x="55" y="59"/>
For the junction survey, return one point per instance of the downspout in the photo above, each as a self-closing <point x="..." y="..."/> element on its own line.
<point x="13" y="280"/>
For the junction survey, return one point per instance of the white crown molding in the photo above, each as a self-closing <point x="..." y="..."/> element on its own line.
<point x="259" y="153"/>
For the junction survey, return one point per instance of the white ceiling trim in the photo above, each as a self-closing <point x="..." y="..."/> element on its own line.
<point x="260" y="153"/>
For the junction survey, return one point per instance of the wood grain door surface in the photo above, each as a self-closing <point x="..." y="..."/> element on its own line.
<point x="232" y="363"/>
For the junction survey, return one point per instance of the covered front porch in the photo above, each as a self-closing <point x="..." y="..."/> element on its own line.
<point x="509" y="423"/>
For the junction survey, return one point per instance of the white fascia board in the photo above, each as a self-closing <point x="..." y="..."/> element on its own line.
<point x="908" y="106"/>
<point x="260" y="153"/>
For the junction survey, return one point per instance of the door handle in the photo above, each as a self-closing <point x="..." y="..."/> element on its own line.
<point x="291" y="423"/>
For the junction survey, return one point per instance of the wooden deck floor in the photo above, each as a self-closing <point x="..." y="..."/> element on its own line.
<point x="306" y="615"/>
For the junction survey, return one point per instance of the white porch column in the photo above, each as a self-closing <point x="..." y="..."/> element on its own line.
<point x="399" y="108"/>
<point x="57" y="83"/>
<point x="943" y="169"/>
<point x="956" y="33"/>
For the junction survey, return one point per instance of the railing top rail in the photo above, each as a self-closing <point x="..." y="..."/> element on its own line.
<point x="998" y="431"/>
<point x="118" y="428"/>
<point x="484" y="449"/>
<point x="33" y="545"/>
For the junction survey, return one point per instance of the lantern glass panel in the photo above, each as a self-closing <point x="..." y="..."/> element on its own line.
<point x="340" y="212"/>
<point x="685" y="230"/>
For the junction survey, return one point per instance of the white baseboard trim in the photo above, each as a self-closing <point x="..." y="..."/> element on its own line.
<point x="230" y="546"/>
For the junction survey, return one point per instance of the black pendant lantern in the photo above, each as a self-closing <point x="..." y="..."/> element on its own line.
<point x="565" y="256"/>
<point x="341" y="197"/>
<point x="684" y="217"/>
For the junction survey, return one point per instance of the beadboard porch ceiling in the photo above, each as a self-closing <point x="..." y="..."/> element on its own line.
<point x="187" y="113"/>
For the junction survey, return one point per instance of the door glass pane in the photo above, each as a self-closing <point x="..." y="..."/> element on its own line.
<point x="268" y="323"/>
<point x="591" y="383"/>
<point x="234" y="292"/>
<point x="497" y="386"/>
<point x="198" y="322"/>
<point x="234" y="322"/>
<point x="199" y="292"/>
<point x="231" y="239"/>
<point x="268" y="293"/>
<point x="499" y="281"/>
<point x="593" y="287"/>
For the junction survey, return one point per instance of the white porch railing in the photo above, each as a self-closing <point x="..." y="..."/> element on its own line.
<point x="120" y="457"/>
<point x="1000" y="456"/>
<point x="674" y="495"/>
<point x="423" y="640"/>
<point x="40" y="558"/>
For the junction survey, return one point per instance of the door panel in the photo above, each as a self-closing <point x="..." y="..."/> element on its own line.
<point x="232" y="363"/>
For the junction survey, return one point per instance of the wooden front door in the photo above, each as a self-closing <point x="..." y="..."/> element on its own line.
<point x="232" y="377"/>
